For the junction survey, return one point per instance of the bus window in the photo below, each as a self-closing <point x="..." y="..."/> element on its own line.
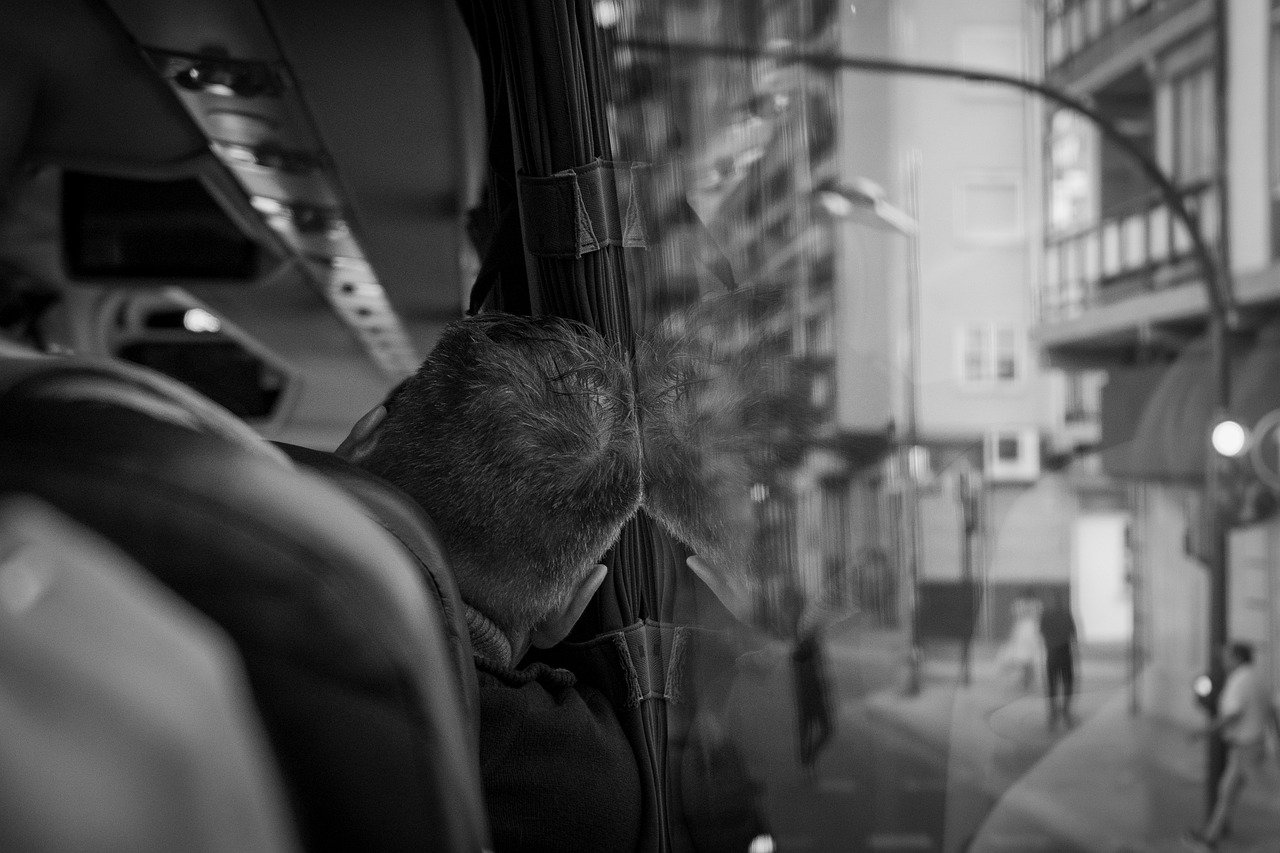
<point x="952" y="326"/>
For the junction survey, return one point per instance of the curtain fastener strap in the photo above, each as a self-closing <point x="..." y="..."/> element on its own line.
<point x="584" y="209"/>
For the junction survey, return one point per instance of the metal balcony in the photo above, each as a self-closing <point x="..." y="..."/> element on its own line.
<point x="1135" y="250"/>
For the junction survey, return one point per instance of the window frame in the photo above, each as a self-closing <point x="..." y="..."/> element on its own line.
<point x="990" y="353"/>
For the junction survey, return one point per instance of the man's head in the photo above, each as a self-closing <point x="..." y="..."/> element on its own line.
<point x="518" y="436"/>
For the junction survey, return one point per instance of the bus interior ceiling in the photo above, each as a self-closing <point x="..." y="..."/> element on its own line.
<point x="339" y="141"/>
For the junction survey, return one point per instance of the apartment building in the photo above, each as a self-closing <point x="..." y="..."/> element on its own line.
<point x="1123" y="305"/>
<point x="964" y="160"/>
<point x="909" y="311"/>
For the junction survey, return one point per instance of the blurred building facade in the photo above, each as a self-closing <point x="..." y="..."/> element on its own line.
<point x="964" y="160"/>
<point x="1122" y="306"/>
<point x="757" y="145"/>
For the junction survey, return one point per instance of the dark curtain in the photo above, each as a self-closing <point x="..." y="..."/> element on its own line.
<point x="547" y="86"/>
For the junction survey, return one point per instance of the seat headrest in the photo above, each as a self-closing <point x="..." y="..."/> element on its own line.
<point x="344" y="647"/>
<point x="26" y="376"/>
<point x="143" y="690"/>
<point x="405" y="519"/>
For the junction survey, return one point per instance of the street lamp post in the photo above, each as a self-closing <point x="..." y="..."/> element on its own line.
<point x="845" y="201"/>
<point x="1223" y="316"/>
<point x="965" y="488"/>
<point x="1215" y="473"/>
<point x="911" y="407"/>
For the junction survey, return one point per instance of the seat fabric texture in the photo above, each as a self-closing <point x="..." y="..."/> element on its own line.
<point x="343" y="645"/>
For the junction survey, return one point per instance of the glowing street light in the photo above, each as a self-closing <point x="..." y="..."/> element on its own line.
<point x="200" y="320"/>
<point x="1229" y="438"/>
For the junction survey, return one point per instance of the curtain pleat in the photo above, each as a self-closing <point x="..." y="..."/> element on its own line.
<point x="546" y="75"/>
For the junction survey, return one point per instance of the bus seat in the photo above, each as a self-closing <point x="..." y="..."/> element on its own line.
<point x="402" y="517"/>
<point x="108" y="379"/>
<point x="125" y="719"/>
<point x="342" y="644"/>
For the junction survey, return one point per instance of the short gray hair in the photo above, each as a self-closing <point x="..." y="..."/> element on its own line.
<point x="518" y="436"/>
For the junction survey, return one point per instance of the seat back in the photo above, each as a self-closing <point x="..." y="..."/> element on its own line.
<point x="402" y="517"/>
<point x="343" y="646"/>
<point x="125" y="719"/>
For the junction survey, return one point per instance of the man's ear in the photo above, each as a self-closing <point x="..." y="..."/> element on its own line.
<point x="363" y="437"/>
<point x="557" y="626"/>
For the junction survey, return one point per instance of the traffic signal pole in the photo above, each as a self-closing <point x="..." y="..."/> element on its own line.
<point x="1216" y="466"/>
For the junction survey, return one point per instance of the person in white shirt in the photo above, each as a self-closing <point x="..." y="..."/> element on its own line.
<point x="1244" y="712"/>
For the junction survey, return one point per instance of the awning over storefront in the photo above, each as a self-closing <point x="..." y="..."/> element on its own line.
<point x="1124" y="398"/>
<point x="1171" y="408"/>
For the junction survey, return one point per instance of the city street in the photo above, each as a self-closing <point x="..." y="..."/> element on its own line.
<point x="977" y="768"/>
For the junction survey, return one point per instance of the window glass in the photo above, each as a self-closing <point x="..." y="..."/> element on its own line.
<point x="989" y="352"/>
<point x="1071" y="180"/>
<point x="1119" y="10"/>
<point x="1006" y="353"/>
<point x="1193" y="120"/>
<point x="927" y="379"/>
<point x="1273" y="138"/>
<point x="976" y="354"/>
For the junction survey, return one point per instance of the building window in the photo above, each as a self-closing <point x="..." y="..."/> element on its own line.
<point x="1083" y="397"/>
<point x="1274" y="142"/>
<point x="1075" y="28"/>
<point x="1006" y="354"/>
<point x="820" y="124"/>
<point x="779" y="187"/>
<point x="990" y="354"/>
<point x="1071" y="184"/>
<point x="1194" y="137"/>
<point x="820" y="335"/>
<point x="1093" y="18"/>
<point x="822" y="275"/>
<point x="1056" y="48"/>
<point x="989" y="207"/>
<point x="822" y="391"/>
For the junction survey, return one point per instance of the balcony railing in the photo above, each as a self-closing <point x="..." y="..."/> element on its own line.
<point x="1121" y="256"/>
<point x="1073" y="26"/>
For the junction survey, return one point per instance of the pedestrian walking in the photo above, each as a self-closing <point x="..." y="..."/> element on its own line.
<point x="1022" y="651"/>
<point x="1244" y="712"/>
<point x="1058" y="633"/>
<point x="813" y="699"/>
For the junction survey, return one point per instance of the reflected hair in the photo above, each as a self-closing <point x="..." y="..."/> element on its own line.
<point x="695" y="447"/>
<point x="518" y="436"/>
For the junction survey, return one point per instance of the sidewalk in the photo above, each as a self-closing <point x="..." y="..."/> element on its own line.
<point x="993" y="731"/>
<point x="1122" y="783"/>
<point x="975" y="768"/>
<point x="1116" y="783"/>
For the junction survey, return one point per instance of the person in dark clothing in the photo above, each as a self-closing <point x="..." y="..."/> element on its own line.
<point x="518" y="437"/>
<point x="1059" y="632"/>
<point x="558" y="771"/>
<point x="813" y="699"/>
